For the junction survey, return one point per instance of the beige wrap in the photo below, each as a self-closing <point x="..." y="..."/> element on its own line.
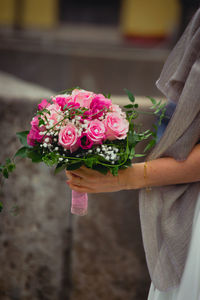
<point x="166" y="213"/>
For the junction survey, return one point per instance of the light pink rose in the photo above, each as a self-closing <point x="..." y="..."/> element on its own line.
<point x="96" y="131"/>
<point x="82" y="97"/>
<point x="116" y="126"/>
<point x="115" y="108"/>
<point x="55" y="111"/>
<point x="68" y="137"/>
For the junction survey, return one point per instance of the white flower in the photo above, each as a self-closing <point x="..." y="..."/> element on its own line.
<point x="45" y="145"/>
<point x="56" y="148"/>
<point x="60" y="159"/>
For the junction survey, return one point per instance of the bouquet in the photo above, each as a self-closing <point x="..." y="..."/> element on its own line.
<point x="79" y="127"/>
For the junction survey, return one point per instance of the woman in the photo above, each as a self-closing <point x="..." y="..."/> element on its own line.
<point x="169" y="181"/>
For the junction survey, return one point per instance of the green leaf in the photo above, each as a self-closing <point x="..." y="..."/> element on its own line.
<point x="139" y="155"/>
<point x="129" y="106"/>
<point x="34" y="155"/>
<point x="11" y="167"/>
<point x="100" y="168"/>
<point x="153" y="101"/>
<point x="5" y="173"/>
<point x="22" y="152"/>
<point x="23" y="137"/>
<point x="114" y="171"/>
<point x="132" y="153"/>
<point x="59" y="168"/>
<point x="8" y="161"/>
<point x="41" y="122"/>
<point x="1" y="206"/>
<point x="150" y="145"/>
<point x="130" y="95"/>
<point x="74" y="166"/>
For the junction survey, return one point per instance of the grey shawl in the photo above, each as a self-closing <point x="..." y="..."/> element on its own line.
<point x="166" y="212"/>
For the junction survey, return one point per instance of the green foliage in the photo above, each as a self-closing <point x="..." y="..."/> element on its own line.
<point x="7" y="168"/>
<point x="74" y="166"/>
<point x="35" y="155"/>
<point x="22" y="152"/>
<point x="22" y="136"/>
<point x="60" y="167"/>
<point x="130" y="95"/>
<point x="50" y="158"/>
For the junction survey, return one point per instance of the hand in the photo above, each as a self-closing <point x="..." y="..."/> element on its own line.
<point x="86" y="180"/>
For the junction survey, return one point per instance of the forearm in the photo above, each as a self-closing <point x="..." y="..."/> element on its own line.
<point x="163" y="171"/>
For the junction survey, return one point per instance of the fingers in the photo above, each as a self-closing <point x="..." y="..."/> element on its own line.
<point x="80" y="189"/>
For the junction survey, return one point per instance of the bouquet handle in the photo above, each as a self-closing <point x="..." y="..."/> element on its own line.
<point x="79" y="203"/>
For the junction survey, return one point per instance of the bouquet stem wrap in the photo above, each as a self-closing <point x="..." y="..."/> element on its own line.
<point x="79" y="204"/>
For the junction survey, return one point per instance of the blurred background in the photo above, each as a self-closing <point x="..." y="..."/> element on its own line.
<point x="45" y="47"/>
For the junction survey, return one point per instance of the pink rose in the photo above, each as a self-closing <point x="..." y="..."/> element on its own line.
<point x="116" y="126"/>
<point x="85" y="142"/>
<point x="34" y="136"/>
<point x="35" y="122"/>
<point x="68" y="136"/>
<point x="62" y="100"/>
<point x="82" y="97"/>
<point x="43" y="104"/>
<point x="96" y="131"/>
<point x="99" y="105"/>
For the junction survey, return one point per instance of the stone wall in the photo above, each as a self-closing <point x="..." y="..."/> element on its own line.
<point x="48" y="254"/>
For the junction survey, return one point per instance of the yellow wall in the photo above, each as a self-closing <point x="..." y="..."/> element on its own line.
<point x="149" y="17"/>
<point x="6" y="12"/>
<point x="40" y="13"/>
<point x="35" y="13"/>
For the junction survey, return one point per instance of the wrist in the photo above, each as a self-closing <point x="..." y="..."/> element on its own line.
<point x="135" y="178"/>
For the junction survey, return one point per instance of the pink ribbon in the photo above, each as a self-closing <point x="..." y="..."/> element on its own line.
<point x="79" y="204"/>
